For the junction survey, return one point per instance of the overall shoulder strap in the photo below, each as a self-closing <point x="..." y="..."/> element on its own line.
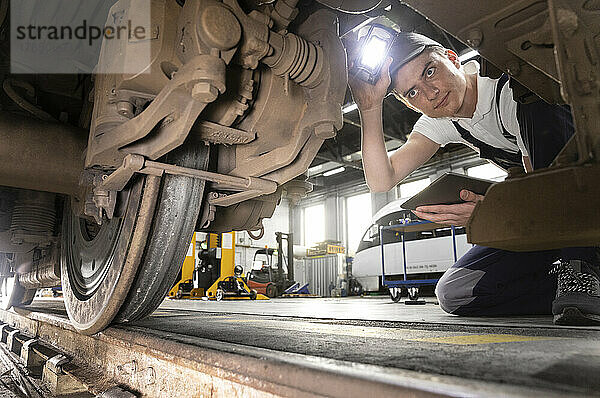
<point x="502" y="158"/>
<point x="501" y="83"/>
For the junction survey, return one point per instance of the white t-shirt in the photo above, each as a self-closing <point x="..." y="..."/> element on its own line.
<point x="485" y="124"/>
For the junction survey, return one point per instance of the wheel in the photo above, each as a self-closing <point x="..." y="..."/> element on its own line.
<point x="396" y="294"/>
<point x="219" y="294"/>
<point x="179" y="204"/>
<point x="179" y="294"/>
<point x="271" y="290"/>
<point x="13" y="294"/>
<point x="253" y="294"/>
<point x="413" y="293"/>
<point x="122" y="270"/>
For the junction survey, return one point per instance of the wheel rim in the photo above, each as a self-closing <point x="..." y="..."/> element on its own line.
<point x="99" y="265"/>
<point x="89" y="257"/>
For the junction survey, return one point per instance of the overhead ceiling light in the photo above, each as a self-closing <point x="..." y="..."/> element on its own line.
<point x="314" y="169"/>
<point x="349" y="107"/>
<point x="334" y="171"/>
<point x="468" y="55"/>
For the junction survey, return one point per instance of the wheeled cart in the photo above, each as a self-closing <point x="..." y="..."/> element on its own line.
<point x="411" y="286"/>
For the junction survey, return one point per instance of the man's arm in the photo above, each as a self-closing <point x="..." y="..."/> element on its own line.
<point x="527" y="164"/>
<point x="383" y="172"/>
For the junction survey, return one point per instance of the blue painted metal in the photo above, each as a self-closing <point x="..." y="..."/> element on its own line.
<point x="292" y="288"/>
<point x="405" y="282"/>
<point x="297" y="289"/>
<point x="303" y="290"/>
<point x="454" y="242"/>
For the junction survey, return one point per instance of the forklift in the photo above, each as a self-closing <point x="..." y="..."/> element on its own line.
<point x="269" y="280"/>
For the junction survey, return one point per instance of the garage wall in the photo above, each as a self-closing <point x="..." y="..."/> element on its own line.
<point x="246" y="247"/>
<point x="334" y="197"/>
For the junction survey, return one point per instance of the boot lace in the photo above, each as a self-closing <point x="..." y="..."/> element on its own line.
<point x="572" y="281"/>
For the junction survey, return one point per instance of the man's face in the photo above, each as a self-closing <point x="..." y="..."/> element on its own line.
<point x="433" y="83"/>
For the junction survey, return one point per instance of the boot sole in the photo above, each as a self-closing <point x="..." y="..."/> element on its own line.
<point x="572" y="316"/>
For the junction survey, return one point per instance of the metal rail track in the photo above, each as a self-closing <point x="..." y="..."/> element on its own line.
<point x="151" y="363"/>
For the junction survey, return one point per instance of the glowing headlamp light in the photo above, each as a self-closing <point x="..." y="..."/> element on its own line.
<point x="375" y="42"/>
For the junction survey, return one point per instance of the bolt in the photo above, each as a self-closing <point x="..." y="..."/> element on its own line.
<point x="325" y="130"/>
<point x="513" y="68"/>
<point x="474" y="38"/>
<point x="125" y="108"/>
<point x="204" y="92"/>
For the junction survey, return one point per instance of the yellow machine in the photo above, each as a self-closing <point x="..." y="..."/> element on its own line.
<point x="184" y="286"/>
<point x="213" y="273"/>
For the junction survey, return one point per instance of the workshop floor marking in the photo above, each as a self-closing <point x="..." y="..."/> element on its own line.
<point x="484" y="339"/>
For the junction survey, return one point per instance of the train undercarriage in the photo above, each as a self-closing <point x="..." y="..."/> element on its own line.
<point x="105" y="176"/>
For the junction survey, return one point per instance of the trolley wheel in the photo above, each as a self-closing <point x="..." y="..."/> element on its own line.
<point x="253" y="294"/>
<point x="396" y="294"/>
<point x="413" y="293"/>
<point x="271" y="290"/>
<point x="121" y="270"/>
<point x="219" y="294"/>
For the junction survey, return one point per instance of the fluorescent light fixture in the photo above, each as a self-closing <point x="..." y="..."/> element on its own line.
<point x="468" y="55"/>
<point x="334" y="171"/>
<point x="349" y="108"/>
<point x="314" y="169"/>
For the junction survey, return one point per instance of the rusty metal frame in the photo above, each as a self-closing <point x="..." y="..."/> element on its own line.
<point x="548" y="209"/>
<point x="575" y="30"/>
<point x="497" y="29"/>
<point x="251" y="187"/>
<point x="556" y="207"/>
<point x="318" y="110"/>
<point x="169" y="116"/>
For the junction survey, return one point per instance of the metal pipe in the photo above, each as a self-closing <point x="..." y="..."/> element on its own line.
<point x="40" y="155"/>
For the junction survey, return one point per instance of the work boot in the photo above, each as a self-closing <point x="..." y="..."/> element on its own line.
<point x="577" y="299"/>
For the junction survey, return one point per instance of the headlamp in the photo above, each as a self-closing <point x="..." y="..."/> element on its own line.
<point x="375" y="42"/>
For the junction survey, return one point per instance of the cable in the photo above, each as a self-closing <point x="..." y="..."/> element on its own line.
<point x="259" y="236"/>
<point x="22" y="102"/>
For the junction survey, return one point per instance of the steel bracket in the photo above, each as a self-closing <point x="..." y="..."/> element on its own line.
<point x="557" y="208"/>
<point x="249" y="187"/>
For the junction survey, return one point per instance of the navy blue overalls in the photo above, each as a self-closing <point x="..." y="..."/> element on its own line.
<point x="495" y="282"/>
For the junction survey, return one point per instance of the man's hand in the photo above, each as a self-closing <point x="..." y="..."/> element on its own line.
<point x="367" y="96"/>
<point x="457" y="215"/>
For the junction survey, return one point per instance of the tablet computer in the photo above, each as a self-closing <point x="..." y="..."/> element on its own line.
<point x="445" y="190"/>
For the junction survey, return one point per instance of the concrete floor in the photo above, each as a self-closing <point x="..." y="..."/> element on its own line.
<point x="376" y="308"/>
<point x="517" y="352"/>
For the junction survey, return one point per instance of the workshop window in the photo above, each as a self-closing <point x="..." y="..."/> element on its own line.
<point x="487" y="171"/>
<point x="358" y="216"/>
<point x="314" y="225"/>
<point x="409" y="189"/>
